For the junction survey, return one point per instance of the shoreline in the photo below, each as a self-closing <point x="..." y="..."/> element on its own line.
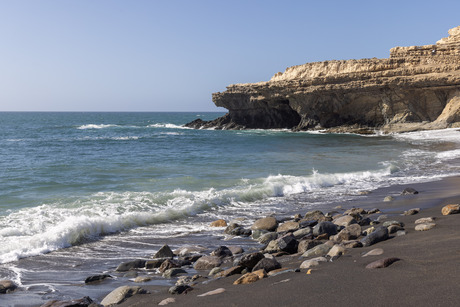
<point x="426" y="275"/>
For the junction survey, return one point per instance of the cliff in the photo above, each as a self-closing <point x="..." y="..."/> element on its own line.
<point x="415" y="88"/>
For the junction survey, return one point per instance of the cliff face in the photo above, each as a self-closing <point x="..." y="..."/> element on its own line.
<point x="416" y="88"/>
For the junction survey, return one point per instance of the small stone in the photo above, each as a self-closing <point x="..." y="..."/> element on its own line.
<point x="250" y="277"/>
<point x="267" y="223"/>
<point x="350" y="232"/>
<point x="231" y="227"/>
<point x="409" y="191"/>
<point x="141" y="279"/>
<point x="267" y="264"/>
<point x="374" y="252"/>
<point x="126" y="266"/>
<point x="179" y="289"/>
<point x="164" y="252"/>
<point x="345" y="220"/>
<point x="388" y="198"/>
<point x="424" y="226"/>
<point x="213" y="292"/>
<point x="120" y="294"/>
<point x="167" y="301"/>
<point x="412" y="211"/>
<point x="312" y="262"/>
<point x="382" y="217"/>
<point x="154" y="264"/>
<point x="207" y="263"/>
<point x="241" y="232"/>
<point x="173" y="272"/>
<point x="381" y="263"/>
<point x="450" y="209"/>
<point x="425" y="220"/>
<point x="380" y="234"/>
<point x="7" y="286"/>
<point x="218" y="223"/>
<point x="289" y="226"/>
<point x="96" y="278"/>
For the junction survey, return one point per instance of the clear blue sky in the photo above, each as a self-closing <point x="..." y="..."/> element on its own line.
<point x="110" y="55"/>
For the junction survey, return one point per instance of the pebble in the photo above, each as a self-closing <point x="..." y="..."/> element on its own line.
<point x="424" y="226"/>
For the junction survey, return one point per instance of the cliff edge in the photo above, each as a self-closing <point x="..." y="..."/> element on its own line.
<point x="415" y="88"/>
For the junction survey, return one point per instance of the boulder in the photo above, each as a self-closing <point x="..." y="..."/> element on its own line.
<point x="328" y="228"/>
<point x="120" y="294"/>
<point x="307" y="223"/>
<point x="350" y="232"/>
<point x="222" y="251"/>
<point x="207" y="263"/>
<point x="345" y="220"/>
<point x="378" y="235"/>
<point x="256" y="234"/>
<point x="272" y="247"/>
<point x="154" y="264"/>
<point x="336" y="251"/>
<point x="300" y="233"/>
<point x="230" y="227"/>
<point x="289" y="226"/>
<point x="240" y="231"/>
<point x="218" y="223"/>
<point x="236" y="250"/>
<point x="316" y="216"/>
<point x="287" y="244"/>
<point x="450" y="209"/>
<point x="267" y="223"/>
<point x="250" y="260"/>
<point x="130" y="265"/>
<point x="96" y="278"/>
<point x="164" y="252"/>
<point x="82" y="302"/>
<point x="267" y="264"/>
<point x="231" y="271"/>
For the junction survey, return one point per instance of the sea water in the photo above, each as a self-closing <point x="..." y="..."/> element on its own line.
<point x="81" y="192"/>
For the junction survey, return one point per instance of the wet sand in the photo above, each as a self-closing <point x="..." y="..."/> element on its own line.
<point x="428" y="273"/>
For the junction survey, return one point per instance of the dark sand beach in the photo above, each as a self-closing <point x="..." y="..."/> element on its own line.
<point x="427" y="274"/>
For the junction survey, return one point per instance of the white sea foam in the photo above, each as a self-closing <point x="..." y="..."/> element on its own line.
<point x="450" y="135"/>
<point x="96" y="126"/>
<point x="449" y="155"/>
<point x="168" y="126"/>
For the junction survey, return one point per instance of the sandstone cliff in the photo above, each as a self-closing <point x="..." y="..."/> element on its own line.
<point x="416" y="88"/>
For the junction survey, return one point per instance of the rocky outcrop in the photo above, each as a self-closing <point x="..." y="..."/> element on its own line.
<point x="415" y="88"/>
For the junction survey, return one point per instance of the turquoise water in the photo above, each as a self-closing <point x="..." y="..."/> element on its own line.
<point x="90" y="184"/>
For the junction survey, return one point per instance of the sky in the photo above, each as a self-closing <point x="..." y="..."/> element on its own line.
<point x="171" y="55"/>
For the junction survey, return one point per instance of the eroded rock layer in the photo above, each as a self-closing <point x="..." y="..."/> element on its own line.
<point x="415" y="88"/>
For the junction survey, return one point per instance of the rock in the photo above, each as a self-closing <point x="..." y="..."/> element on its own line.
<point x="236" y="250"/>
<point x="318" y="251"/>
<point x="373" y="211"/>
<point x="169" y="264"/>
<point x="173" y="272"/>
<point x="416" y="88"/>
<point x="213" y="292"/>
<point x="154" y="264"/>
<point x="374" y="252"/>
<point x="222" y="251"/>
<point x="307" y="223"/>
<point x="250" y="260"/>
<point x="364" y="222"/>
<point x="409" y="191"/>
<point x="250" y="277"/>
<point x="189" y="250"/>
<point x="354" y="211"/>
<point x="164" y="252"/>
<point x="394" y="229"/>
<point x="279" y="272"/>
<point x="141" y="279"/>
<point x="400" y="233"/>
<point x="352" y="244"/>
<point x="412" y="211"/>
<point x="167" y="301"/>
<point x="215" y="270"/>
<point x="381" y="263"/>
<point x="424" y="226"/>
<point x="231" y="271"/>
<point x="382" y="217"/>
<point x="368" y="231"/>
<point x="380" y="234"/>
<point x="300" y="233"/>
<point x="267" y="264"/>
<point x="207" y="263"/>
<point x="120" y="294"/>
<point x="7" y="286"/>
<point x="345" y="220"/>
<point x="316" y="216"/>
<point x="388" y="198"/>
<point x="187" y="280"/>
<point x="267" y="223"/>
<point x="266" y="238"/>
<point x="231" y="227"/>
<point x="450" y="209"/>
<point x="96" y="278"/>
<point x="424" y="220"/>
<point x="256" y="234"/>
<point x="288" y="244"/>
<point x="289" y="226"/>
<point x="336" y="251"/>
<point x="348" y="233"/>
<point x="272" y="247"/>
<point x="305" y="245"/>
<point x="82" y="302"/>
<point x="130" y="265"/>
<point x="312" y="262"/>
<point x="328" y="228"/>
<point x="179" y="289"/>
<point x="241" y="232"/>
<point x="218" y="223"/>
<point x="389" y="223"/>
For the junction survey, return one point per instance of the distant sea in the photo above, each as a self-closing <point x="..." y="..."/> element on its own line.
<point x="81" y="192"/>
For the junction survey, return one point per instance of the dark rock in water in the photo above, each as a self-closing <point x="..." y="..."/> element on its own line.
<point x="154" y="264"/>
<point x="83" y="302"/>
<point x="250" y="260"/>
<point x="169" y="264"/>
<point x="379" y="234"/>
<point x="241" y="231"/>
<point x="307" y="223"/>
<point x="179" y="289"/>
<point x="96" y="278"/>
<point x="325" y="228"/>
<point x="381" y="263"/>
<point x="207" y="263"/>
<point x="164" y="252"/>
<point x="222" y="251"/>
<point x="268" y="264"/>
<point x="409" y="191"/>
<point x="288" y="244"/>
<point x="126" y="266"/>
<point x="230" y="227"/>
<point x="7" y="286"/>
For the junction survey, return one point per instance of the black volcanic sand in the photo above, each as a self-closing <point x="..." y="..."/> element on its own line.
<point x="428" y="273"/>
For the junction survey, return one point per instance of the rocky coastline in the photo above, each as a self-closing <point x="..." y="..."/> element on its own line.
<point x="307" y="251"/>
<point x="416" y="88"/>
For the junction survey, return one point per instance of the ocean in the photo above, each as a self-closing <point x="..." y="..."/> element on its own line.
<point x="82" y="192"/>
